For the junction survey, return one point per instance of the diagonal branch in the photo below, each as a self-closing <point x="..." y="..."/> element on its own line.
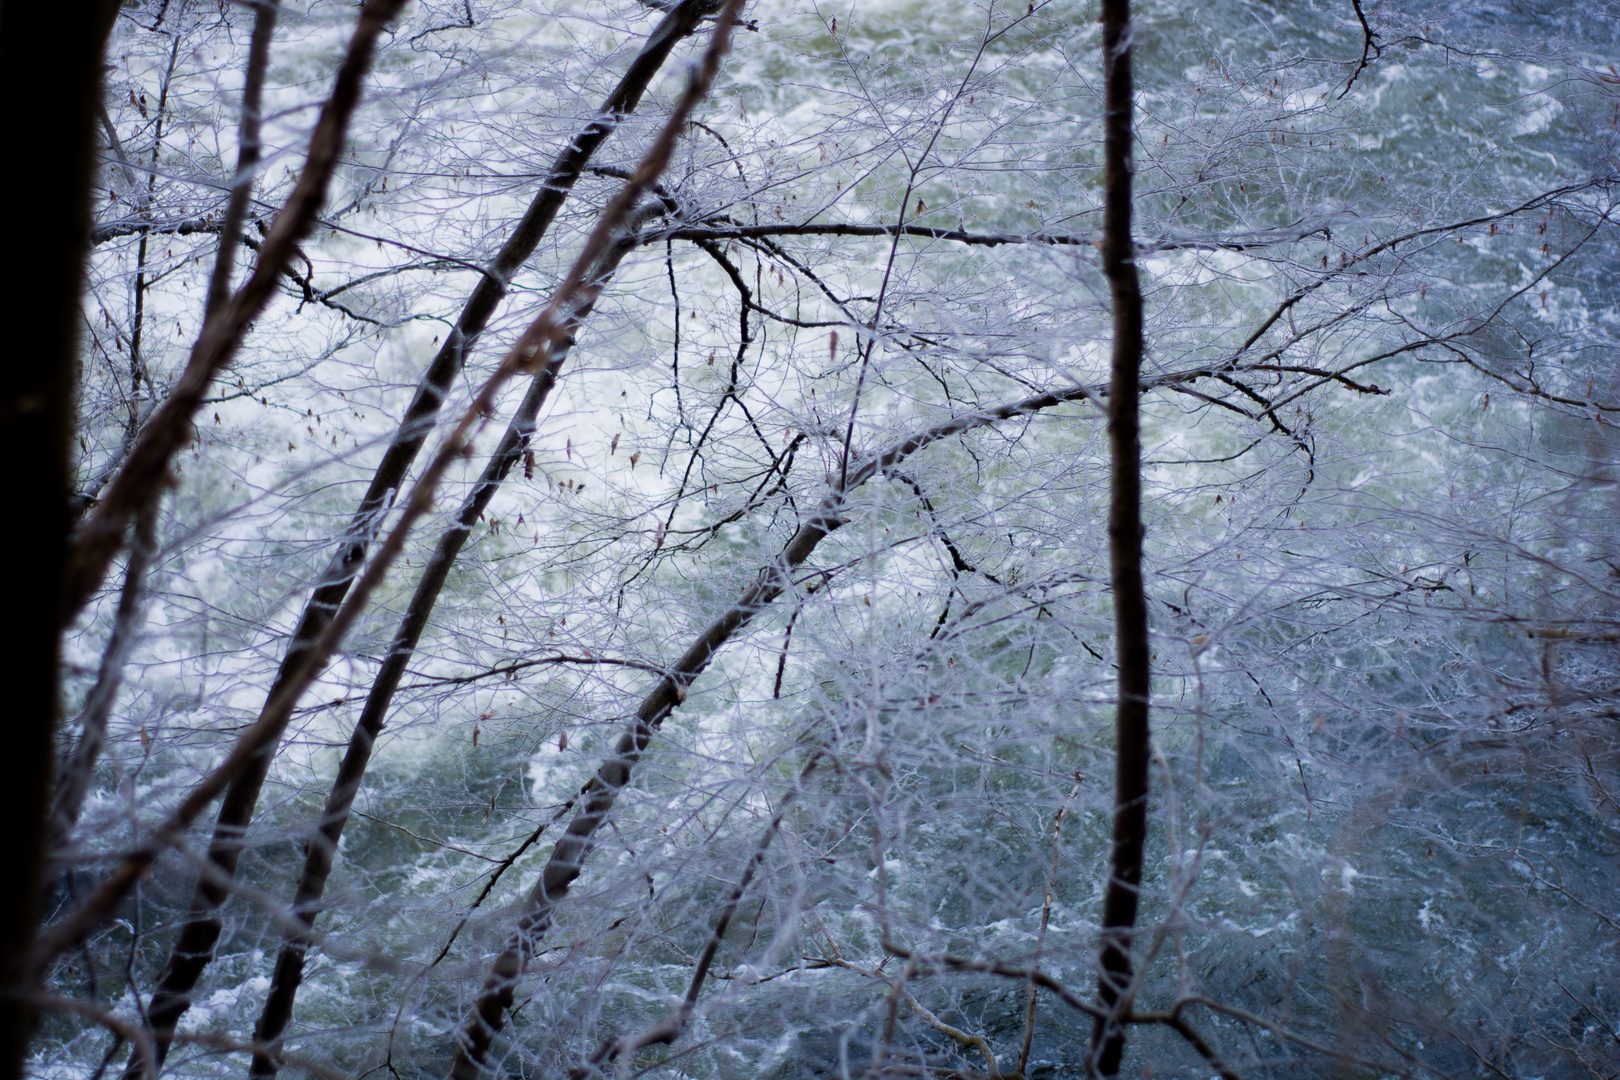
<point x="76" y="777"/>
<point x="567" y="859"/>
<point x="147" y="469"/>
<point x="194" y="948"/>
<point x="489" y="1015"/>
<point x="79" y="769"/>
<point x="533" y="351"/>
<point x="321" y="850"/>
<point x="250" y="146"/>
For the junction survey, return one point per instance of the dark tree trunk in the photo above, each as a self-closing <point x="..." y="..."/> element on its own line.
<point x="1125" y="546"/>
<point x="50" y="75"/>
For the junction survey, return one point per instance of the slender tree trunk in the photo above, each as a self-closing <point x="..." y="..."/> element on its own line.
<point x="79" y="768"/>
<point x="321" y="850"/>
<point x="50" y="75"/>
<point x="1125" y="547"/>
<point x="194" y="949"/>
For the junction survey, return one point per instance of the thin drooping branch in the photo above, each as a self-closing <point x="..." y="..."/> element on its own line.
<point x="1132" y="754"/>
<point x="1035" y="975"/>
<point x="510" y="669"/>
<point x="1046" y="919"/>
<point x="1370" y="48"/>
<point x="732" y="393"/>
<point x="249" y="148"/>
<point x="321" y="849"/>
<point x="914" y="967"/>
<point x="194" y="949"/>
<point x="146" y="471"/>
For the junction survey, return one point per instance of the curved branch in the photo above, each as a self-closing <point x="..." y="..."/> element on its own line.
<point x="567" y="859"/>
<point x="1370" y="49"/>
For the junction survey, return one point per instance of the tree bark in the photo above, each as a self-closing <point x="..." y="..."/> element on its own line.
<point x="50" y="74"/>
<point x="1124" y="548"/>
<point x="194" y="949"/>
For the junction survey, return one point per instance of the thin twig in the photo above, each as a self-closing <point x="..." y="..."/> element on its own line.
<point x="1370" y="49"/>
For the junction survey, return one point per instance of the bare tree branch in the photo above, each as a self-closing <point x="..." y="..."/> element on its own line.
<point x="321" y="849"/>
<point x="195" y="946"/>
<point x="545" y="338"/>
<point x="673" y="1026"/>
<point x="79" y="770"/>
<point x="249" y="149"/>
<point x="147" y="469"/>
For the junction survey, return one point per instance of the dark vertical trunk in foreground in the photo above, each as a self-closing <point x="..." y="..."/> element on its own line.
<point x="50" y="58"/>
<point x="1124" y="545"/>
